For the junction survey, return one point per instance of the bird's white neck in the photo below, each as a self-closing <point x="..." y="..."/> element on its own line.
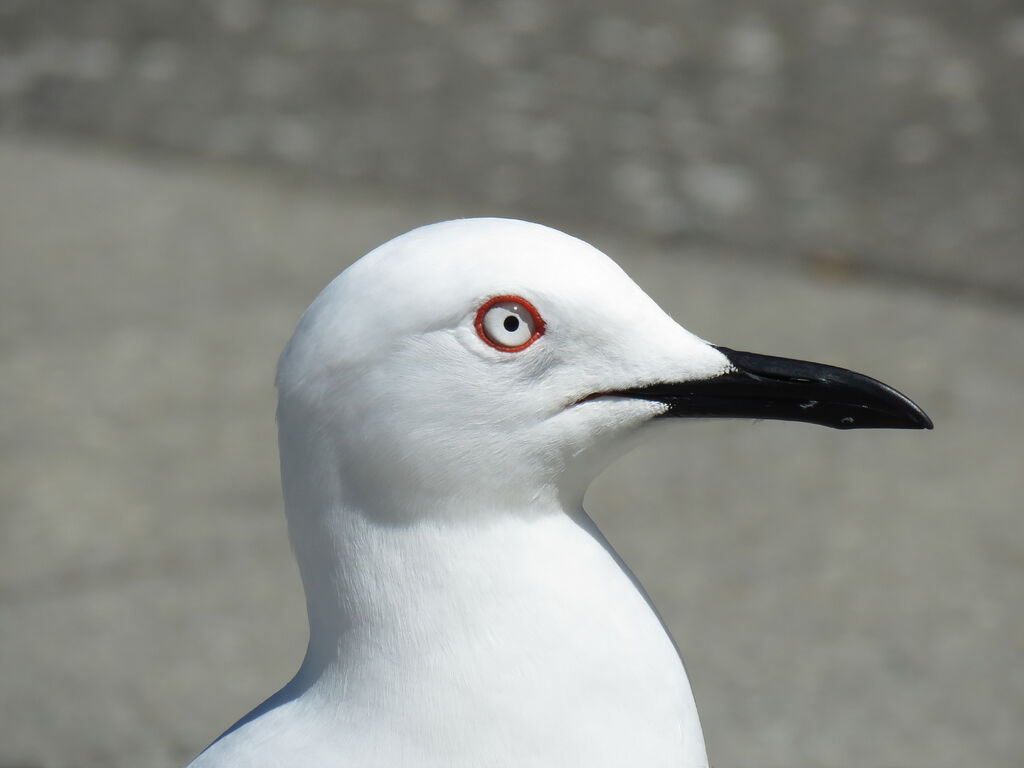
<point x="437" y="626"/>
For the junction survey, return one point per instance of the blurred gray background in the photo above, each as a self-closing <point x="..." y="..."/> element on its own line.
<point x="840" y="181"/>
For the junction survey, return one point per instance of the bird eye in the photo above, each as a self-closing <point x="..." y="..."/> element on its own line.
<point x="509" y="323"/>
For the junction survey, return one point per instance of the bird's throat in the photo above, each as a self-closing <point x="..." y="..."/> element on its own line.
<point x="427" y="625"/>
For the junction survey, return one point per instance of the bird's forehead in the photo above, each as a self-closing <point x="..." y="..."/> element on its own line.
<point x="435" y="277"/>
<point x="445" y="268"/>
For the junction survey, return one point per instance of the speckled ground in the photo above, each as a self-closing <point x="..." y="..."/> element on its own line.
<point x="886" y="136"/>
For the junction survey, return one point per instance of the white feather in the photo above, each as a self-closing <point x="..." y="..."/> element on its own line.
<point x="463" y="609"/>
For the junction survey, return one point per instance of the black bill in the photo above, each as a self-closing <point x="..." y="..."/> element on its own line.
<point x="763" y="387"/>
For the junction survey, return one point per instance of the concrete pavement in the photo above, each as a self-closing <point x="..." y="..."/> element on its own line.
<point x="840" y="599"/>
<point x="884" y="135"/>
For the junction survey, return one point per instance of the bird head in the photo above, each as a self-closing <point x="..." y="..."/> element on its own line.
<point x="487" y="362"/>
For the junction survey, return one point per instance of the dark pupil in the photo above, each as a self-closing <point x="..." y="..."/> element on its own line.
<point x="511" y="323"/>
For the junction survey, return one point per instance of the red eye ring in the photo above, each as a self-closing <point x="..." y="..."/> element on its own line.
<point x="481" y="330"/>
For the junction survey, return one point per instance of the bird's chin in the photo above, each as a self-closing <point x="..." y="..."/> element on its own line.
<point x="593" y="419"/>
<point x="616" y="405"/>
<point x="594" y="432"/>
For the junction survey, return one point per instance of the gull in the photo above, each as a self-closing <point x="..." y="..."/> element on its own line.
<point x="443" y="405"/>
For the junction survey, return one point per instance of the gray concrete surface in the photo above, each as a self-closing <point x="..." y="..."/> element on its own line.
<point x="841" y="598"/>
<point x="882" y="136"/>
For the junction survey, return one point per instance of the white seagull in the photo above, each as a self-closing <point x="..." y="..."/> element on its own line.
<point x="443" y="405"/>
